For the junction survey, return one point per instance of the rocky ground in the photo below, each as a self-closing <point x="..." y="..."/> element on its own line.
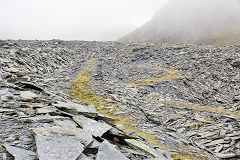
<point x="169" y="101"/>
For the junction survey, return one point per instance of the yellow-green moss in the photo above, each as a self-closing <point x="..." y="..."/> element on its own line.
<point x="184" y="157"/>
<point x="80" y="91"/>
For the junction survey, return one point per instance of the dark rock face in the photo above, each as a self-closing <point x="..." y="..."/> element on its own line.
<point x="187" y="96"/>
<point x="192" y="21"/>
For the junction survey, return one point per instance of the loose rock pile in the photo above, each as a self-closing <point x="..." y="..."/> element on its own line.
<point x="187" y="96"/>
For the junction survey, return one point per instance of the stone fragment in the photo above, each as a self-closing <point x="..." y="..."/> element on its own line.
<point x="228" y="155"/>
<point x="57" y="143"/>
<point x="66" y="124"/>
<point x="218" y="148"/>
<point x="220" y="141"/>
<point x="104" y="117"/>
<point x="27" y="95"/>
<point x="75" y="108"/>
<point x="3" y="91"/>
<point x="143" y="147"/>
<point x="120" y="126"/>
<point x="5" y="95"/>
<point x="42" y="119"/>
<point x="203" y="120"/>
<point x="13" y="70"/>
<point x="6" y="110"/>
<point x="19" y="153"/>
<point x="46" y="110"/>
<point x="30" y="85"/>
<point x="117" y="133"/>
<point x="96" y="128"/>
<point x="82" y="157"/>
<point x="133" y="152"/>
<point x="95" y="144"/>
<point x="236" y="64"/>
<point x="107" y="151"/>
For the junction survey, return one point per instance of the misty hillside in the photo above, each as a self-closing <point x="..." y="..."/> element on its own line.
<point x="187" y="21"/>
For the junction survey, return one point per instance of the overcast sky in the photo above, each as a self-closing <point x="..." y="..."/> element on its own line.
<point x="73" y="19"/>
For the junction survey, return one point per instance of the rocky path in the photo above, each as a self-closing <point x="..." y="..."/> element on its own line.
<point x="134" y="101"/>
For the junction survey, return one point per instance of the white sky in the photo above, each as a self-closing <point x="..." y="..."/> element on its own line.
<point x="73" y="19"/>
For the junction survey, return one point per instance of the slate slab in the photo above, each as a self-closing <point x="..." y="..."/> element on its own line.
<point x="143" y="147"/>
<point x="75" y="108"/>
<point x="57" y="143"/>
<point x="27" y="95"/>
<point x="107" y="151"/>
<point x="96" y="128"/>
<point x="20" y="153"/>
<point x="42" y="119"/>
<point x="45" y="110"/>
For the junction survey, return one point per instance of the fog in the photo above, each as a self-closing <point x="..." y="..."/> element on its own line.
<point x="192" y="21"/>
<point x="73" y="19"/>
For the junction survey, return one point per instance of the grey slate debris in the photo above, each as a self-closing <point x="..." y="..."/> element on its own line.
<point x="36" y="76"/>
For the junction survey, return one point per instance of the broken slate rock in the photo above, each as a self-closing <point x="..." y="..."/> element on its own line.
<point x="143" y="147"/>
<point x="27" y="95"/>
<point x="70" y="125"/>
<point x="119" y="134"/>
<point x="66" y="124"/>
<point x="83" y="157"/>
<point x="30" y="85"/>
<point x="120" y="126"/>
<point x="42" y="119"/>
<point x="6" y="110"/>
<point x="56" y="143"/>
<point x="228" y="155"/>
<point x="104" y="118"/>
<point x="107" y="151"/>
<point x="236" y="64"/>
<point x="75" y="108"/>
<point x="19" y="153"/>
<point x="96" y="128"/>
<point x="46" y="110"/>
<point x="3" y="91"/>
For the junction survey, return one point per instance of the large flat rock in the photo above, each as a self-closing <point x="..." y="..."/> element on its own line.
<point x="96" y="128"/>
<point x="57" y="143"/>
<point x="107" y="151"/>
<point x="75" y="108"/>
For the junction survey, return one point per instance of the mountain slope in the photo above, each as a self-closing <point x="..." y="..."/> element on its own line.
<point x="187" y="21"/>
